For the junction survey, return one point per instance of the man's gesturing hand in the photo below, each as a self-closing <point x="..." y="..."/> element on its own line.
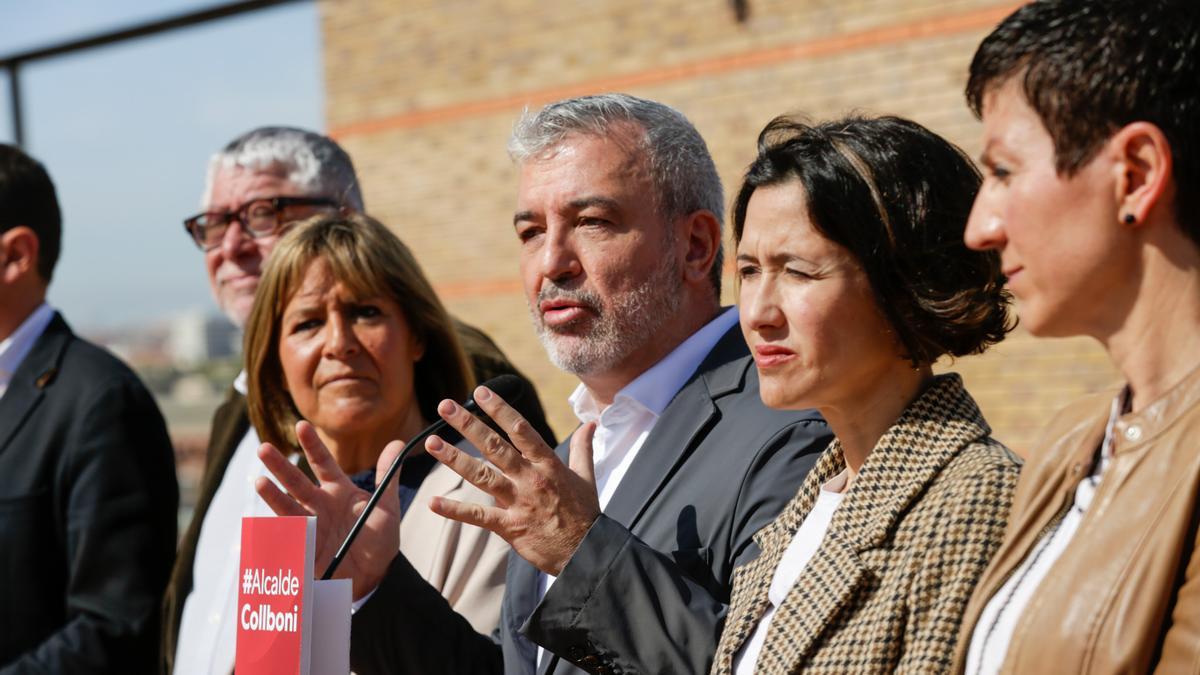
<point x="543" y="508"/>
<point x="336" y="502"/>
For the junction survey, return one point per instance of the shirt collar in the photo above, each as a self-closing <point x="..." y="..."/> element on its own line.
<point x="16" y="347"/>
<point x="1120" y="406"/>
<point x="657" y="385"/>
<point x="239" y="384"/>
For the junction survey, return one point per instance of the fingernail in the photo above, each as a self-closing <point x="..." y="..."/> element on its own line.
<point x="447" y="408"/>
<point x="433" y="444"/>
<point x="482" y="393"/>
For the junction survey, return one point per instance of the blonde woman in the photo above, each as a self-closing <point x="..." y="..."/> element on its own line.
<point x="348" y="341"/>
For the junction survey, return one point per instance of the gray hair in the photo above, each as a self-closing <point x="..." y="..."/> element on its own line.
<point x="678" y="160"/>
<point x="314" y="163"/>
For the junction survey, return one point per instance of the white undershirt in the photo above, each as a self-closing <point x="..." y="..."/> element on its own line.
<point x="795" y="558"/>
<point x="994" y="630"/>
<point x="622" y="427"/>
<point x="208" y="630"/>
<point x="15" y="347"/>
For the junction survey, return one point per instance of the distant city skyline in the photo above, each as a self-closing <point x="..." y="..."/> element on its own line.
<point x="126" y="132"/>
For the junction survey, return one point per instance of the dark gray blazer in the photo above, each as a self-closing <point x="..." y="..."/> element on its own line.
<point x="88" y="503"/>
<point x="649" y="586"/>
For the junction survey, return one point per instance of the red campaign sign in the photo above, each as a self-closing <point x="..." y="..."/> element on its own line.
<point x="274" y="596"/>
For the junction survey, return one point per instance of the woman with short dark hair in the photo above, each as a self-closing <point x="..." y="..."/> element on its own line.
<point x="854" y="280"/>
<point x="1091" y="197"/>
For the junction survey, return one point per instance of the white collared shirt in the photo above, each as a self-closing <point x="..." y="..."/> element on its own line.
<point x="622" y="427"/>
<point x="998" y="621"/>
<point x="208" y="628"/>
<point x="15" y="347"/>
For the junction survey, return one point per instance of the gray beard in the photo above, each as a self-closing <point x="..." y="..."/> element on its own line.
<point x="633" y="319"/>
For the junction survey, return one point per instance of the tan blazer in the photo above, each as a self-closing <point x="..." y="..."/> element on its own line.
<point x="466" y="564"/>
<point x="1124" y="596"/>
<point x="885" y="590"/>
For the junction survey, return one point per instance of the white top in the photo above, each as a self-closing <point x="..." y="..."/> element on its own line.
<point x="208" y="630"/>
<point x="994" y="630"/>
<point x="802" y="548"/>
<point x="622" y="427"/>
<point x="15" y="347"/>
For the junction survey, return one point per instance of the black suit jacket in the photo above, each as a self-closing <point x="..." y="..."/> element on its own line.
<point x="88" y="504"/>
<point x="231" y="422"/>
<point x="647" y="590"/>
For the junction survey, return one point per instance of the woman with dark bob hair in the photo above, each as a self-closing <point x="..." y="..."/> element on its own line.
<point x="853" y="281"/>
<point x="348" y="340"/>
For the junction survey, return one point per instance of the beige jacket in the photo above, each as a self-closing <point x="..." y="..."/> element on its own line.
<point x="886" y="589"/>
<point x="466" y="564"/>
<point x="1125" y="595"/>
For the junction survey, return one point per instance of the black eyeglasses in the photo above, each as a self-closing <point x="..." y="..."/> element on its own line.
<point x="260" y="218"/>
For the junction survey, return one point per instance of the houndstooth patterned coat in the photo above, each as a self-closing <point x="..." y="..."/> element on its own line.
<point x="886" y="589"/>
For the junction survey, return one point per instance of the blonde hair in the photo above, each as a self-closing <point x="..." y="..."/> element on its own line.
<point x="371" y="261"/>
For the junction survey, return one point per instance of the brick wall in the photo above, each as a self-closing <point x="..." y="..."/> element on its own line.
<point x="423" y="94"/>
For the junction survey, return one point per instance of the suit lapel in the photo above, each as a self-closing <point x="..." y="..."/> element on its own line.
<point x="829" y="584"/>
<point x="752" y="581"/>
<point x="929" y="433"/>
<point x="15" y="407"/>
<point x="520" y="599"/>
<point x="669" y="443"/>
<point x="231" y="421"/>
<point x="549" y="664"/>
<point x="679" y="428"/>
<point x="37" y="371"/>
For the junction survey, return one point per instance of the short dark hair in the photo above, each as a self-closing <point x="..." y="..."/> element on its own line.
<point x="1090" y="67"/>
<point x="897" y="197"/>
<point x="27" y="197"/>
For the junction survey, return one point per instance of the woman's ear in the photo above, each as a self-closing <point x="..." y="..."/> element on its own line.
<point x="1145" y="172"/>
<point x="416" y="347"/>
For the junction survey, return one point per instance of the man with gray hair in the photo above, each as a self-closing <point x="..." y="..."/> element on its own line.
<point x="257" y="186"/>
<point x="629" y="533"/>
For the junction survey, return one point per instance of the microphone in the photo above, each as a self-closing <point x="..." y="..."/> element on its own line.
<point x="511" y="388"/>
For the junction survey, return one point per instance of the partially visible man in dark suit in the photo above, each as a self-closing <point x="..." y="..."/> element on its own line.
<point x="629" y="552"/>
<point x="257" y="186"/>
<point x="88" y="497"/>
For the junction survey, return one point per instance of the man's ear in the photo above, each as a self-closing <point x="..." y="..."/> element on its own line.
<point x="18" y="253"/>
<point x="700" y="231"/>
<point x="1145" y="171"/>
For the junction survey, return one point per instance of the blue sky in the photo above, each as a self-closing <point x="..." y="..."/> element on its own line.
<point x="126" y="132"/>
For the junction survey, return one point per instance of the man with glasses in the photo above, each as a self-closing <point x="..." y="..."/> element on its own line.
<point x="259" y="184"/>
